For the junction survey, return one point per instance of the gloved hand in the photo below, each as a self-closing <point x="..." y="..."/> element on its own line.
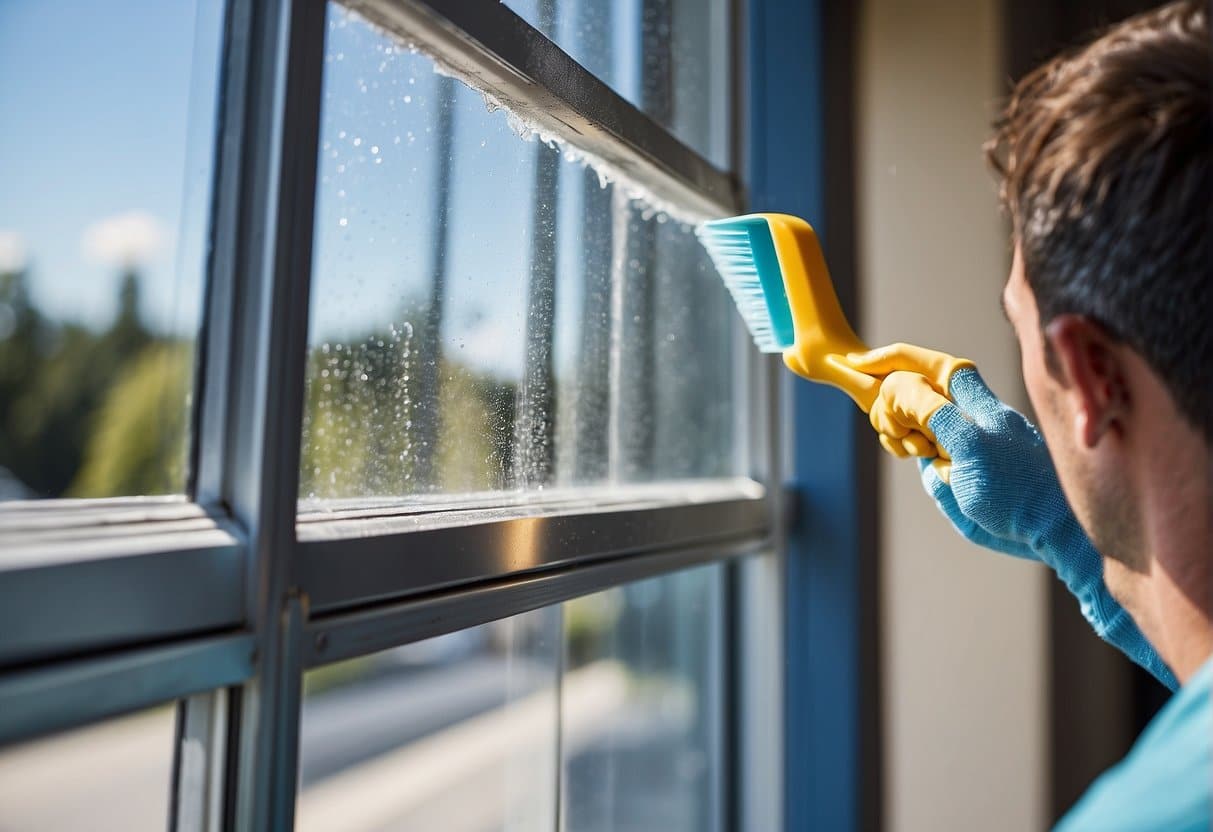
<point x="923" y="390"/>
<point x="936" y="367"/>
<point x="1003" y="491"/>
<point x="901" y="414"/>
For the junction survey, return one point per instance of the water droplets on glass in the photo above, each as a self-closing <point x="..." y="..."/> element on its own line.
<point x="490" y="314"/>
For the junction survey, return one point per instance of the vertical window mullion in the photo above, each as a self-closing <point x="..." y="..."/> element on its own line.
<point x="197" y="804"/>
<point x="252" y="372"/>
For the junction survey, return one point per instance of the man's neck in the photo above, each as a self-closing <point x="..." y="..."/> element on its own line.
<point x="1175" y="599"/>
<point x="1183" y="633"/>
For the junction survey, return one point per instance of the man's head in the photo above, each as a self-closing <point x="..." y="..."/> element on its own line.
<point x="1104" y="155"/>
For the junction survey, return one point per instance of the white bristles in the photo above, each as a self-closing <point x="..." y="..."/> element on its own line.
<point x="733" y="257"/>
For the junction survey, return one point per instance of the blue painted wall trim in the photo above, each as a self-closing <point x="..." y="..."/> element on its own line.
<point x="829" y="692"/>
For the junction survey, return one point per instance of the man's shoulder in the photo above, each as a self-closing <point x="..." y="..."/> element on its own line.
<point x="1165" y="782"/>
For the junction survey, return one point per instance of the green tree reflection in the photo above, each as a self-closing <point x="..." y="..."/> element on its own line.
<point x="57" y="387"/>
<point x="88" y="413"/>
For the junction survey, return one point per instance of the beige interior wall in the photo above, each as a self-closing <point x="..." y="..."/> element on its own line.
<point x="964" y="663"/>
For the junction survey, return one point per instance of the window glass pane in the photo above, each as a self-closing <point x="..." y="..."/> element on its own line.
<point x="457" y="733"/>
<point x="670" y="58"/>
<point x="105" y="166"/>
<point x="641" y="706"/>
<point x="486" y="314"/>
<point x="115" y="775"/>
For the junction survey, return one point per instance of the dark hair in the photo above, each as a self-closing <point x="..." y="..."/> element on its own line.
<point x="1104" y="156"/>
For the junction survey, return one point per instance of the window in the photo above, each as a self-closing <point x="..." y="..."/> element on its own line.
<point x="642" y="705"/>
<point x="489" y="314"/>
<point x="616" y="695"/>
<point x="456" y="732"/>
<point x="429" y="488"/>
<point x="102" y="234"/>
<point x="670" y="59"/>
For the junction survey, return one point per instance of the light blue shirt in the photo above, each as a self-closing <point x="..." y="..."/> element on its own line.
<point x="1004" y="494"/>
<point x="1166" y="781"/>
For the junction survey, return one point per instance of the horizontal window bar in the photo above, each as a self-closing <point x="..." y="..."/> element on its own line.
<point x="498" y="52"/>
<point x="68" y="694"/>
<point x="87" y="575"/>
<point x="354" y="561"/>
<point x="347" y="635"/>
<point x="35" y="515"/>
<point x="316" y="518"/>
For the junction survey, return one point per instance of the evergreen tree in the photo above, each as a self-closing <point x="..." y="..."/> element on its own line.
<point x="54" y="379"/>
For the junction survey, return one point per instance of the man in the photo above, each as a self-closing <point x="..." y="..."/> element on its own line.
<point x="1104" y="155"/>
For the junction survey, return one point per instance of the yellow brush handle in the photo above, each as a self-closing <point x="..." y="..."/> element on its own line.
<point x="828" y="351"/>
<point x="823" y="336"/>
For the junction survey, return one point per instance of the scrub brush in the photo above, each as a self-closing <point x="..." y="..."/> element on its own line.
<point x="773" y="266"/>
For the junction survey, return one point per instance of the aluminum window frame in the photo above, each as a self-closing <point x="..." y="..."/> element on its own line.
<point x="246" y="594"/>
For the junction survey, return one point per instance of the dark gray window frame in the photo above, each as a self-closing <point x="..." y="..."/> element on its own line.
<point x="224" y="600"/>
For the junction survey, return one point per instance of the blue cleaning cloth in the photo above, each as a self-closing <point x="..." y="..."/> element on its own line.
<point x="1164" y="782"/>
<point x="1004" y="495"/>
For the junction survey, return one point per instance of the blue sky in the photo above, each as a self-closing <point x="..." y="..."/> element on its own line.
<point x="129" y="135"/>
<point x="126" y="131"/>
<point x="376" y="196"/>
<point x="129" y="132"/>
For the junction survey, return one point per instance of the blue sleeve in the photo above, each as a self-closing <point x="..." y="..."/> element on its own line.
<point x="1003" y="494"/>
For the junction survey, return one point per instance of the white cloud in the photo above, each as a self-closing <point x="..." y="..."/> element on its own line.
<point x="13" y="257"/>
<point x="493" y="344"/>
<point x="123" y="240"/>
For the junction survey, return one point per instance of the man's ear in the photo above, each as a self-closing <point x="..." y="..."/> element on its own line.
<point x="1089" y="367"/>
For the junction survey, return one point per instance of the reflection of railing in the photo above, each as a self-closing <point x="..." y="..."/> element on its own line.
<point x="593" y="394"/>
<point x="429" y="373"/>
<point x="534" y="429"/>
<point x="590" y="457"/>
<point x="635" y="270"/>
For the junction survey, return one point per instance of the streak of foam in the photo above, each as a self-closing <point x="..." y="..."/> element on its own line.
<point x="652" y="206"/>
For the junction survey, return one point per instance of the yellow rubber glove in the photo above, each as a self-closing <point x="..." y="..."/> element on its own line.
<point x="902" y="414"/>
<point x="937" y="367"/>
<point x="914" y="385"/>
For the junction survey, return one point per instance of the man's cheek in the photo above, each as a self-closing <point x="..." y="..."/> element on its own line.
<point x="1033" y="381"/>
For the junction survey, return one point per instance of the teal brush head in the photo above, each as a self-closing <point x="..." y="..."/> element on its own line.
<point x="774" y="266"/>
<point x="743" y="251"/>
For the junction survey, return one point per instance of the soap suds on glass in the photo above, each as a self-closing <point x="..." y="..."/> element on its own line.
<point x="652" y="206"/>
